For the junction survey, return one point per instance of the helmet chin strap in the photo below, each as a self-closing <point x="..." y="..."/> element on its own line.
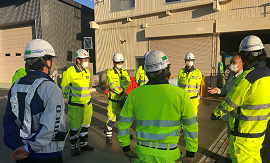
<point x="49" y="68"/>
<point x="80" y="63"/>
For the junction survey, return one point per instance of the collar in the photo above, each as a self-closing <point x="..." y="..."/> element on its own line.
<point x="189" y="70"/>
<point x="154" y="82"/>
<point x="256" y="65"/>
<point x="238" y="74"/>
<point x="77" y="68"/>
<point x="116" y="70"/>
<point x="40" y="73"/>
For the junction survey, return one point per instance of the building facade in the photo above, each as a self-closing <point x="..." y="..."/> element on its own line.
<point x="208" y="28"/>
<point x="63" y="23"/>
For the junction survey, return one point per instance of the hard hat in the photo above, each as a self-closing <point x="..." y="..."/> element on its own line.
<point x="38" y="48"/>
<point x="251" y="43"/>
<point x="81" y="53"/>
<point x="189" y="56"/>
<point x="145" y="55"/>
<point x="156" y="60"/>
<point x="118" y="57"/>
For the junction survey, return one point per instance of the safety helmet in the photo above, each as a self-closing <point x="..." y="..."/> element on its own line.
<point x="118" y="57"/>
<point x="145" y="55"/>
<point x="189" y="56"/>
<point x="251" y="43"/>
<point x="81" y="53"/>
<point x="156" y="60"/>
<point x="38" y="48"/>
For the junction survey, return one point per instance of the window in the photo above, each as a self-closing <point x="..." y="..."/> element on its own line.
<point x="119" y="5"/>
<point x="88" y="43"/>
<point x="174" y="1"/>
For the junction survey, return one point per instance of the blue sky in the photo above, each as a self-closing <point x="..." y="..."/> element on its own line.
<point x="88" y="3"/>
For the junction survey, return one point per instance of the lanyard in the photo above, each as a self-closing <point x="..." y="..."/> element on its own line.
<point x="190" y="76"/>
<point x="118" y="73"/>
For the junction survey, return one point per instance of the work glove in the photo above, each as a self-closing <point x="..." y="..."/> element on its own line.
<point x="213" y="117"/>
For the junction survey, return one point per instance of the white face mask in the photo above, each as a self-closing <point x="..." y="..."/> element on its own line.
<point x="85" y="65"/>
<point x="189" y="64"/>
<point x="233" y="68"/>
<point x="119" y="66"/>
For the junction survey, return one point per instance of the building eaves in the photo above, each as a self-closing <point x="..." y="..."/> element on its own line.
<point x="78" y="5"/>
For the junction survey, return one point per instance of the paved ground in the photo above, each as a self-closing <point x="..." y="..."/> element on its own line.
<point x="212" y="142"/>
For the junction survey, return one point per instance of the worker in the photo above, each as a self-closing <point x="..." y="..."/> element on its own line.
<point x="118" y="81"/>
<point x="236" y="67"/>
<point x="190" y="79"/>
<point x="34" y="122"/>
<point x="18" y="74"/>
<point x="159" y="109"/>
<point x="75" y="87"/>
<point x="140" y="76"/>
<point x="248" y="104"/>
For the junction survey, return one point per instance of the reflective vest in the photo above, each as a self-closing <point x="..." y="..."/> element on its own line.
<point x="159" y="110"/>
<point x="115" y="79"/>
<point x="140" y="76"/>
<point x="18" y="74"/>
<point x="190" y="81"/>
<point x="248" y="103"/>
<point x="75" y="86"/>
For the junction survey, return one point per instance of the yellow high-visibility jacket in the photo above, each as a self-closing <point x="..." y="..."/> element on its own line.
<point x="75" y="86"/>
<point x="248" y="102"/>
<point x="115" y="79"/>
<point x="190" y="81"/>
<point x="140" y="76"/>
<point x="18" y="74"/>
<point x="159" y="110"/>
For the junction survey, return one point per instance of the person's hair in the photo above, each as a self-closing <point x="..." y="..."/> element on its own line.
<point x="249" y="56"/>
<point x="159" y="75"/>
<point x="38" y="65"/>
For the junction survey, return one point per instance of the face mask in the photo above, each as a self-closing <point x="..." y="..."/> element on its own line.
<point x="119" y="66"/>
<point x="233" y="68"/>
<point x="53" y="72"/>
<point x="189" y="64"/>
<point x="85" y="65"/>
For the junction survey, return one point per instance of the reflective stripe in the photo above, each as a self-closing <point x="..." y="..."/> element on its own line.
<point x="116" y="87"/>
<point x="79" y="95"/>
<point x="154" y="144"/>
<point x="143" y="81"/>
<point x="222" y="109"/>
<point x="111" y="92"/>
<point x="190" y="121"/>
<point x="82" y="134"/>
<point x="112" y="83"/>
<point x="249" y="118"/>
<point x="192" y="135"/>
<point x="126" y="119"/>
<point x="151" y="136"/>
<point x="86" y="126"/>
<point x="158" y="123"/>
<point x="73" y="137"/>
<point x="75" y="88"/>
<point x="123" y="132"/>
<point x="25" y="131"/>
<point x="74" y="129"/>
<point x="255" y="107"/>
<point x="230" y="103"/>
<point x="192" y="91"/>
<point x="189" y="86"/>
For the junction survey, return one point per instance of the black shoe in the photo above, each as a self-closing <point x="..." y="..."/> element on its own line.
<point x="109" y="140"/>
<point x="87" y="148"/>
<point x="75" y="152"/>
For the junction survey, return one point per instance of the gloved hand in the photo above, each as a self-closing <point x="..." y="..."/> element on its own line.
<point x="213" y="117"/>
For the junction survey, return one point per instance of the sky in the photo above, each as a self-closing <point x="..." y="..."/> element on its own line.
<point x="88" y="3"/>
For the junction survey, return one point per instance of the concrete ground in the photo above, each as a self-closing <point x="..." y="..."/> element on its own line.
<point x="211" y="136"/>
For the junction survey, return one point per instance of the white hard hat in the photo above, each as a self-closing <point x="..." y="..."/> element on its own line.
<point x="81" y="53"/>
<point x="38" y="48"/>
<point x="251" y="43"/>
<point x="145" y="55"/>
<point x="189" y="56"/>
<point x="156" y="60"/>
<point x="118" y="57"/>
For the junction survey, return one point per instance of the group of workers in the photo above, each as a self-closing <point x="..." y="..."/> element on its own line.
<point x="34" y="122"/>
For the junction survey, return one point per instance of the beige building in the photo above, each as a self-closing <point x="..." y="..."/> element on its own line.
<point x="210" y="29"/>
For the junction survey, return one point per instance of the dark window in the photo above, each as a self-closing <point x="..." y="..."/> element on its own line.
<point x="119" y="5"/>
<point x="7" y="54"/>
<point x="18" y="54"/>
<point x="169" y="1"/>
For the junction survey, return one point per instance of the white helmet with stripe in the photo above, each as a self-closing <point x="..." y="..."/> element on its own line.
<point x="251" y="43"/>
<point x="118" y="57"/>
<point x="155" y="61"/>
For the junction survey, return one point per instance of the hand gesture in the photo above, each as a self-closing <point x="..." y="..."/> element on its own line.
<point x="130" y="155"/>
<point x="212" y="90"/>
<point x="19" y="154"/>
<point x="184" y="159"/>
